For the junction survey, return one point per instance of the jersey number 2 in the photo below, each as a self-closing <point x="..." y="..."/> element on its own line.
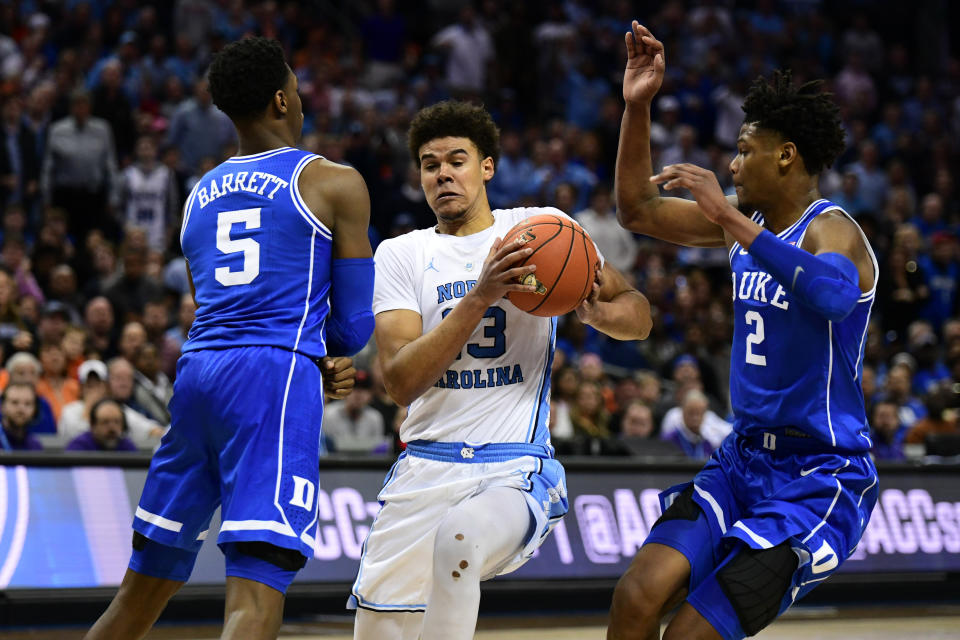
<point x="250" y="247"/>
<point x="755" y="338"/>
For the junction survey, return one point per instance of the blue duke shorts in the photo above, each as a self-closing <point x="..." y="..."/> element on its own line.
<point x="245" y="436"/>
<point x="819" y="503"/>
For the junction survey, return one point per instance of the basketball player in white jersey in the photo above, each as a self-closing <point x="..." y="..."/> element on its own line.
<point x="477" y="489"/>
<point x="149" y="195"/>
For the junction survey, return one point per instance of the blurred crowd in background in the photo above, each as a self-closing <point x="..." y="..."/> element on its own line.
<point x="107" y="124"/>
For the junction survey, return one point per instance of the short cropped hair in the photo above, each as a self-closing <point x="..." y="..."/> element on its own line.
<point x="245" y="75"/>
<point x="804" y="115"/>
<point x="451" y="118"/>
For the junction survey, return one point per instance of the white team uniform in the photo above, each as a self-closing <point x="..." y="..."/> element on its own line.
<point x="482" y="425"/>
<point x="148" y="200"/>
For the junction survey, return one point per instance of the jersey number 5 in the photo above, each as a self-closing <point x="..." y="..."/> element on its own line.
<point x="250" y="247"/>
<point x="755" y="338"/>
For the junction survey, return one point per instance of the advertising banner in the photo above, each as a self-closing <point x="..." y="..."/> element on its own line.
<point x="70" y="527"/>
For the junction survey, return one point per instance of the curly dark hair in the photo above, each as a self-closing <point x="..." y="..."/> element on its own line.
<point x="246" y="74"/>
<point x="804" y="115"/>
<point x="457" y="119"/>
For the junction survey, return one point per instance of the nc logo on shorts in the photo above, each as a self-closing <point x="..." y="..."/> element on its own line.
<point x="466" y="452"/>
<point x="303" y="491"/>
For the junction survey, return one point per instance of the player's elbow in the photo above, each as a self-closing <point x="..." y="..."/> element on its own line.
<point x="834" y="299"/>
<point x="347" y="337"/>
<point x="636" y="215"/>
<point x="399" y="389"/>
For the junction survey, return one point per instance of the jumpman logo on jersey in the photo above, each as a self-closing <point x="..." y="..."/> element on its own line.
<point x="431" y="266"/>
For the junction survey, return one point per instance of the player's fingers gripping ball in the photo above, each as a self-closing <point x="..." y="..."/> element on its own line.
<point x="566" y="261"/>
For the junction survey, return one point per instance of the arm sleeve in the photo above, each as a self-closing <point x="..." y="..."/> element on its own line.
<point x="350" y="323"/>
<point x="828" y="283"/>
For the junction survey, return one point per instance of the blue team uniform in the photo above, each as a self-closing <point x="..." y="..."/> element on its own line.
<point x="248" y="398"/>
<point x="796" y="468"/>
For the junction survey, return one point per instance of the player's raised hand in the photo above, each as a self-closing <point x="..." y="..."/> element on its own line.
<point x="339" y="376"/>
<point x="701" y="182"/>
<point x="499" y="276"/>
<point x="645" y="65"/>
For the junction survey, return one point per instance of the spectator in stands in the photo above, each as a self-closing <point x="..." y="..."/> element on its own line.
<point x="600" y="221"/>
<point x="109" y="102"/>
<point x="152" y="388"/>
<point x="560" y="169"/>
<point x="24" y="368"/>
<point x="148" y="195"/>
<point x="156" y="319"/>
<point x="132" y="337"/>
<point x="54" y="385"/>
<point x="941" y="417"/>
<point x="80" y="168"/>
<point x="63" y="290"/>
<point x="107" y="429"/>
<point x="942" y="269"/>
<point x="566" y="382"/>
<point x="898" y="389"/>
<point x="689" y="433"/>
<point x="637" y="421"/>
<point x="18" y="408"/>
<point x="99" y="320"/>
<point x="134" y="287"/>
<point x="469" y="51"/>
<point x="589" y="414"/>
<point x="513" y="173"/>
<point x="710" y="426"/>
<point x="75" y="417"/>
<point x="352" y="424"/>
<point x="19" y="165"/>
<point x="185" y="314"/>
<point x="144" y="431"/>
<point x="887" y="432"/>
<point x="199" y="129"/>
<point x="54" y="320"/>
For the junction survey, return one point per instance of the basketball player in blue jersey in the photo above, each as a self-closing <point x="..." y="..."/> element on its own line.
<point x="477" y="489"/>
<point x="785" y="499"/>
<point x="276" y="242"/>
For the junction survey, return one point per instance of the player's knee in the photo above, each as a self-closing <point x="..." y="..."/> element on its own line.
<point x="635" y="598"/>
<point x="755" y="582"/>
<point x="457" y="554"/>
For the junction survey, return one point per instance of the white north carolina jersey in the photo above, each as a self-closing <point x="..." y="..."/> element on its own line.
<point x="498" y="388"/>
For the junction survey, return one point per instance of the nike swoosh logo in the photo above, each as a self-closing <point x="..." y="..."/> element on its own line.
<point x="796" y="274"/>
<point x="806" y="472"/>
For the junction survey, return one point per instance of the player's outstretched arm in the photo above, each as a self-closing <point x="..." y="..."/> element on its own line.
<point x="640" y="207"/>
<point x="828" y="282"/>
<point x="413" y="361"/>
<point x="337" y="196"/>
<point x="615" y="308"/>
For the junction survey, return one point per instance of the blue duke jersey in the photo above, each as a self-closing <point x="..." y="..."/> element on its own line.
<point x="790" y="367"/>
<point x="260" y="260"/>
<point x="498" y="388"/>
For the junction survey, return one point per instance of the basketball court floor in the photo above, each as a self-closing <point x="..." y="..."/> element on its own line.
<point x="822" y="623"/>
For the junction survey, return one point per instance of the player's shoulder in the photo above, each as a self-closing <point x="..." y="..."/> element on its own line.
<point x="406" y="243"/>
<point x="331" y="176"/>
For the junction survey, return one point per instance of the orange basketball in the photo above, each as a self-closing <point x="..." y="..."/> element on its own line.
<point x="566" y="262"/>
